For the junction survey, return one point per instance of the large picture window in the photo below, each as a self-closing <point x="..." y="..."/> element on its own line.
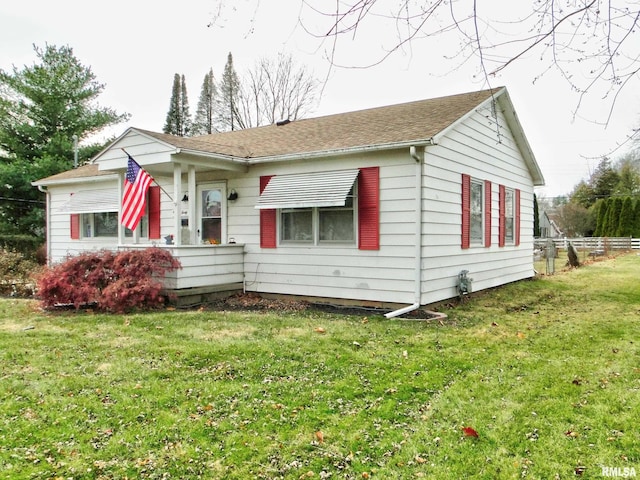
<point x="319" y="225"/>
<point x="94" y="214"/>
<point x="321" y="208"/>
<point x="105" y="224"/>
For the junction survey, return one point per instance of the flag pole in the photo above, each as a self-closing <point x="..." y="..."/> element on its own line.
<point x="154" y="180"/>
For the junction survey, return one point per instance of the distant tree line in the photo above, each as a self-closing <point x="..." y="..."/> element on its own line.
<point x="273" y="90"/>
<point x="607" y="204"/>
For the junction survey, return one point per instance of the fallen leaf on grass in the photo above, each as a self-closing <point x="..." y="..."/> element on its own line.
<point x="469" y="432"/>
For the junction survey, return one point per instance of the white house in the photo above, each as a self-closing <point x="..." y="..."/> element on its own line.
<point x="384" y="206"/>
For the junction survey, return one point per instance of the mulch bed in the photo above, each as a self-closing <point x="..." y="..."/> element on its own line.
<point x="254" y="302"/>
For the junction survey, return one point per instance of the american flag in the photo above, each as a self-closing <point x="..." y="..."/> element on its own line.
<point x="136" y="184"/>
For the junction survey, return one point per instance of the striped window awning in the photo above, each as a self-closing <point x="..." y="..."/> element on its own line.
<point x="304" y="190"/>
<point x="91" y="201"/>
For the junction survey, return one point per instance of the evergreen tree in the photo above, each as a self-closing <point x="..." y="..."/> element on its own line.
<point x="601" y="208"/>
<point x="229" y="99"/>
<point x="203" y="123"/>
<point x="636" y="219"/>
<point x="604" y="180"/>
<point x="625" y="222"/>
<point x="42" y="107"/>
<point x="178" y="118"/>
<point x="613" y="217"/>
<point x="185" y="115"/>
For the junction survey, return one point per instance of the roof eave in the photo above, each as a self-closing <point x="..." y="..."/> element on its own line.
<point x="68" y="181"/>
<point x="341" y="151"/>
<point x="502" y="96"/>
<point x="518" y="132"/>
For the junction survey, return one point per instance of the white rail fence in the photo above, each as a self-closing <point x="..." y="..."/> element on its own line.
<point x="554" y="250"/>
<point x="594" y="245"/>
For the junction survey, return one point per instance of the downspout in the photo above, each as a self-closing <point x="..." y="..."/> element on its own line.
<point x="47" y="222"/>
<point x="418" y="156"/>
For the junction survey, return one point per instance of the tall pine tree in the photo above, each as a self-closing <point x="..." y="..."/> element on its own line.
<point x="203" y="122"/>
<point x="178" y="120"/>
<point x="42" y="107"/>
<point x="626" y="220"/>
<point x="229" y="99"/>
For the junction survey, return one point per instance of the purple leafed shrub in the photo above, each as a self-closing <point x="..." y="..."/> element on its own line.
<point x="108" y="281"/>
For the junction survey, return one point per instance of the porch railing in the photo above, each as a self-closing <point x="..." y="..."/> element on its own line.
<point x="204" y="265"/>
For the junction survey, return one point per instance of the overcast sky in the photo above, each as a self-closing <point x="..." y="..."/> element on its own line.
<point x="136" y="46"/>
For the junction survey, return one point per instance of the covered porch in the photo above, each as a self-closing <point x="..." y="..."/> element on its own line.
<point x="208" y="271"/>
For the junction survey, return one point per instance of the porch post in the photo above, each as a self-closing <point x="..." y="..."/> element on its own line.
<point x="121" y="176"/>
<point x="177" y="197"/>
<point x="193" y="204"/>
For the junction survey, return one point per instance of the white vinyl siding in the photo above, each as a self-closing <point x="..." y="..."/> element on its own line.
<point x="472" y="148"/>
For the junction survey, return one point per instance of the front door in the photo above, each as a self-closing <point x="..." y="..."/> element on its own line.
<point x="212" y="211"/>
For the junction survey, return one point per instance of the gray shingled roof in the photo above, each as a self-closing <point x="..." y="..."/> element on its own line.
<point x="79" y="173"/>
<point x="407" y="122"/>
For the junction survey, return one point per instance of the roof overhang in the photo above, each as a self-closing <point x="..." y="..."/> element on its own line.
<point x="502" y="98"/>
<point x="342" y="151"/>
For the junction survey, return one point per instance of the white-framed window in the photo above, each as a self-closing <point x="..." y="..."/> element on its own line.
<point x="476" y="226"/>
<point x="320" y="225"/>
<point x="105" y="224"/>
<point x="212" y="208"/>
<point x="509" y="216"/>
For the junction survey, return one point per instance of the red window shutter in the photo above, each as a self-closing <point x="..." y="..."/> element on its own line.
<point x="517" y="219"/>
<point x="487" y="213"/>
<point x="369" y="208"/>
<point x="268" y="229"/>
<point x="466" y="211"/>
<point x="502" y="220"/>
<point x="154" y="211"/>
<point x="75" y="226"/>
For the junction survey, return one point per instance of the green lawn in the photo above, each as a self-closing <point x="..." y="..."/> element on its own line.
<point x="547" y="372"/>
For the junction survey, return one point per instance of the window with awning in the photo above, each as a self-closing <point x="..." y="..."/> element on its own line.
<point x="339" y="207"/>
<point x="305" y="190"/>
<point x="91" y="201"/>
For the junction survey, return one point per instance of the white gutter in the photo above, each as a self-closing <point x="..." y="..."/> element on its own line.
<point x="341" y="151"/>
<point x="418" y="156"/>
<point x="69" y="181"/>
